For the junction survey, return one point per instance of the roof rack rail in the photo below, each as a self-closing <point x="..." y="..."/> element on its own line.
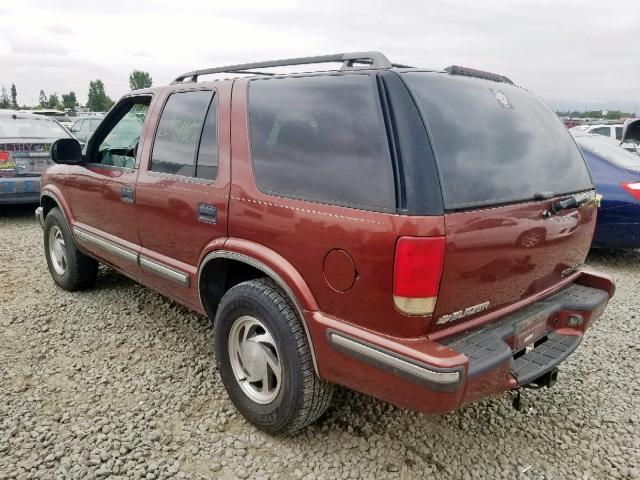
<point x="349" y="61"/>
<point x="472" y="72"/>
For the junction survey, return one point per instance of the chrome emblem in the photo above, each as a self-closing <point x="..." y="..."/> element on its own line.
<point x="452" y="317"/>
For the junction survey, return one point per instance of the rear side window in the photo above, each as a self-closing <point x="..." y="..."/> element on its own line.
<point x="494" y="142"/>
<point x="321" y="139"/>
<point x="179" y="134"/>
<point x="606" y="131"/>
<point x="618" y="133"/>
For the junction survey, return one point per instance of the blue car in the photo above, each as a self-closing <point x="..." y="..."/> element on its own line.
<point x="616" y="173"/>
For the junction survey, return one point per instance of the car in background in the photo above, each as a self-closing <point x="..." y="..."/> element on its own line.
<point x="616" y="173"/>
<point x="61" y="117"/>
<point x="613" y="131"/>
<point x="25" y="144"/>
<point x="84" y="127"/>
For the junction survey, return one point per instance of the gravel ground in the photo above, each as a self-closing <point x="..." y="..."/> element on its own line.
<point x="119" y="382"/>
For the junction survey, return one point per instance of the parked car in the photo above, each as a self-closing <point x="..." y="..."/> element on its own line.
<point x="316" y="218"/>
<point x="616" y="173"/>
<point x="613" y="131"/>
<point x="61" y="117"/>
<point x="83" y="127"/>
<point x="25" y="144"/>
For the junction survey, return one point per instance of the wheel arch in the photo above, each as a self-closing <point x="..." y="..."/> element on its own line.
<point x="49" y="200"/>
<point x="222" y="269"/>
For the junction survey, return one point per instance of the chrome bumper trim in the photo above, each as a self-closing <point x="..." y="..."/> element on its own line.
<point x="442" y="379"/>
<point x="164" y="271"/>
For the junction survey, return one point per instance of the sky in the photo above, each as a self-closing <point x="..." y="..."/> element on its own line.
<point x="575" y="54"/>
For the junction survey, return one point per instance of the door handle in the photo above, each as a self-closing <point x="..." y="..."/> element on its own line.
<point x="127" y="194"/>
<point x="207" y="213"/>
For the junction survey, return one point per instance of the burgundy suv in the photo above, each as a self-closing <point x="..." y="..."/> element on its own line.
<point x="412" y="234"/>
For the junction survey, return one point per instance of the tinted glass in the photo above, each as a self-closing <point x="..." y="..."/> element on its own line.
<point x="207" y="166"/>
<point x="321" y="139"/>
<point x="606" y="131"/>
<point x="494" y="142"/>
<point x="31" y="128"/>
<point x="174" y="149"/>
<point x="618" y="133"/>
<point x="119" y="147"/>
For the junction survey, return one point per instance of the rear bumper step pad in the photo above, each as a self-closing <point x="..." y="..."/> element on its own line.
<point x="487" y="347"/>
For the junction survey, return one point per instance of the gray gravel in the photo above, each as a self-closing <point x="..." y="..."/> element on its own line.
<point x="119" y="382"/>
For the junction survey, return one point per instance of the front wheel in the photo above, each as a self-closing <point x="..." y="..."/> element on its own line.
<point x="69" y="267"/>
<point x="264" y="359"/>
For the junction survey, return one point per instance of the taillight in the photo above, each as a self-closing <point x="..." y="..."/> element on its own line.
<point x="632" y="188"/>
<point x="416" y="274"/>
<point x="4" y="157"/>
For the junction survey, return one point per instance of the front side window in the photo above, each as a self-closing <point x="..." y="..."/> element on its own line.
<point x="119" y="146"/>
<point x="321" y="139"/>
<point x="178" y="136"/>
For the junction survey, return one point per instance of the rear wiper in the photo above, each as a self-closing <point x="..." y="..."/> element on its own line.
<point x="567" y="203"/>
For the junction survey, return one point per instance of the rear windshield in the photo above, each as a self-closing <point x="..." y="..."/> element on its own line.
<point x="495" y="143"/>
<point x="609" y="151"/>
<point x="30" y="128"/>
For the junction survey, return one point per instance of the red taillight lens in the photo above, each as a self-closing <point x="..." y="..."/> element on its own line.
<point x="632" y="188"/>
<point x="416" y="274"/>
<point x="4" y="157"/>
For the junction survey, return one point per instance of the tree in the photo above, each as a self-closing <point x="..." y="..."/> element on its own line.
<point x="54" y="101"/>
<point x="69" y="100"/>
<point x="14" y="96"/>
<point x="4" y="99"/>
<point x="42" y="99"/>
<point x="140" y="79"/>
<point x="97" y="100"/>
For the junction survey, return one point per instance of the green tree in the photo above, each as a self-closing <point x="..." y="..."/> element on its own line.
<point x="97" y="100"/>
<point x="54" y="101"/>
<point x="4" y="99"/>
<point x="14" y="96"/>
<point x="42" y="99"/>
<point x="69" y="100"/>
<point x="140" y="79"/>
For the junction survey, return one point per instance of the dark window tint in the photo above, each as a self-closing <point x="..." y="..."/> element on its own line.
<point x="605" y="131"/>
<point x="321" y="139"/>
<point x="618" y="133"/>
<point x="207" y="166"/>
<point x="494" y="142"/>
<point x="178" y="134"/>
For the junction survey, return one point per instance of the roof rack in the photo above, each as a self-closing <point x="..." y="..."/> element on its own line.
<point x="349" y="61"/>
<point x="472" y="72"/>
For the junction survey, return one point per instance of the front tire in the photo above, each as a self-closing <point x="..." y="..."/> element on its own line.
<point x="69" y="267"/>
<point x="264" y="359"/>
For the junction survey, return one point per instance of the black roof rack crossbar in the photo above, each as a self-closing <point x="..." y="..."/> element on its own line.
<point x="472" y="72"/>
<point x="348" y="60"/>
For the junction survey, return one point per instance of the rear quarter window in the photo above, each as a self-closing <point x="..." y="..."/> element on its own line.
<point x="495" y="143"/>
<point x="321" y="139"/>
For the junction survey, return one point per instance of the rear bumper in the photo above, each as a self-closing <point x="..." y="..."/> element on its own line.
<point x="15" y="190"/>
<point x="438" y="377"/>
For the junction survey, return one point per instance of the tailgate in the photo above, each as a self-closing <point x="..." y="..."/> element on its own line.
<point x="497" y="256"/>
<point x="26" y="158"/>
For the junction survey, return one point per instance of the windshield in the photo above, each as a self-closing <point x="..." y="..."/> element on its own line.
<point x="30" y="128"/>
<point x="494" y="142"/>
<point x="609" y="151"/>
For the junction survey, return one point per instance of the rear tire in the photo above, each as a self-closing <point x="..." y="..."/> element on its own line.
<point x="264" y="359"/>
<point x="69" y="267"/>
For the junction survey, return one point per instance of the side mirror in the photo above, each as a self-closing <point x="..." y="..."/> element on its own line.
<point x="67" y="151"/>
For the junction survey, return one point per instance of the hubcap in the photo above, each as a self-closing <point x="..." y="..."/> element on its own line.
<point x="57" y="250"/>
<point x="255" y="359"/>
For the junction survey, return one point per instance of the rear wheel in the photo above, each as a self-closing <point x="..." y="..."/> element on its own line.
<point x="264" y="359"/>
<point x="69" y="267"/>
